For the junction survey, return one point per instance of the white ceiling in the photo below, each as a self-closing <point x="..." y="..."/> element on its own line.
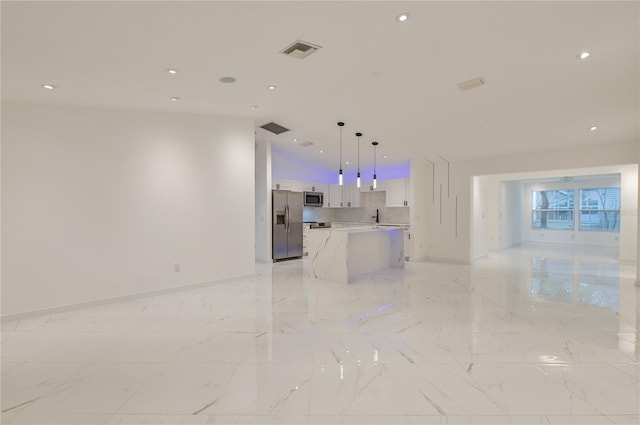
<point x="395" y="82"/>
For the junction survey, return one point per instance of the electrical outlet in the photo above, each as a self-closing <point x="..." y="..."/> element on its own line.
<point x="176" y="268"/>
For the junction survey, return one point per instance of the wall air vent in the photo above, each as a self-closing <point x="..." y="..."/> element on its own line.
<point x="300" y="49"/>
<point x="305" y="144"/>
<point x="274" y="128"/>
<point x="471" y="84"/>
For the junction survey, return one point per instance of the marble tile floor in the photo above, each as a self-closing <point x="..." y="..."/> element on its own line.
<point x="536" y="334"/>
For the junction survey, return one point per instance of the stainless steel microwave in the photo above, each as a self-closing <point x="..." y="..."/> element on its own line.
<point x="313" y="199"/>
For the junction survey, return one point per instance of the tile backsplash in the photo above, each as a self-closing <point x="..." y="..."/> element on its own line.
<point x="370" y="202"/>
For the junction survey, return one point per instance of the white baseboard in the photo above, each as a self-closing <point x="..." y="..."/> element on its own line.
<point x="104" y="301"/>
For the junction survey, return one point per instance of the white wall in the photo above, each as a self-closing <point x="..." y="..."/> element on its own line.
<point x="501" y="202"/>
<point x="442" y="197"/>
<point x="289" y="167"/>
<point x="509" y="228"/>
<point x="482" y="202"/>
<point x="263" y="202"/>
<point x="420" y="193"/>
<point x="101" y="203"/>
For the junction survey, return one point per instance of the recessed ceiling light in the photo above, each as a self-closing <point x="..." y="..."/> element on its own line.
<point x="385" y="157"/>
<point x="346" y="162"/>
<point x="228" y="80"/>
<point x="49" y="86"/>
<point x="584" y="55"/>
<point x="402" y="17"/>
<point x="321" y="151"/>
<point x="172" y="71"/>
<point x="175" y="99"/>
<point x="593" y="128"/>
<point x="295" y="140"/>
<point x="271" y="87"/>
<point x="254" y="106"/>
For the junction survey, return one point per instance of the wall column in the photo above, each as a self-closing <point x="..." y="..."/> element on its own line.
<point x="263" y="202"/>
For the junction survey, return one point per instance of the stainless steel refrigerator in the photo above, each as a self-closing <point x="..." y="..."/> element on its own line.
<point x="287" y="224"/>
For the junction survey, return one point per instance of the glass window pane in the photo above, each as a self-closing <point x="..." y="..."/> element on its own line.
<point x="552" y="209"/>
<point x="600" y="209"/>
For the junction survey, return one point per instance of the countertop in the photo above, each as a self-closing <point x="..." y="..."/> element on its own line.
<point x="360" y="229"/>
<point x="355" y="223"/>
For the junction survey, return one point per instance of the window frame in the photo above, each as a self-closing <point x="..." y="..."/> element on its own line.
<point x="576" y="210"/>
<point x="571" y="210"/>
<point x="616" y="228"/>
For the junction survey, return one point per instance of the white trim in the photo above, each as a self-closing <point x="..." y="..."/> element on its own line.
<point x="104" y="301"/>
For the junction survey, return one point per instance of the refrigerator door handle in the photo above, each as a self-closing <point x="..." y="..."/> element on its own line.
<point x="286" y="215"/>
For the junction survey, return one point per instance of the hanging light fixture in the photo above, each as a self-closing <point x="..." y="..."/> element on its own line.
<point x="340" y="181"/>
<point x="374" y="164"/>
<point x="358" y="177"/>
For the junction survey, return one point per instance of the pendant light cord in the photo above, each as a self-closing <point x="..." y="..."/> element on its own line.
<point x="340" y="124"/>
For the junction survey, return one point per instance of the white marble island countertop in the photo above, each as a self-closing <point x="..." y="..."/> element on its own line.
<point x="341" y="254"/>
<point x="359" y="229"/>
<point x="343" y="224"/>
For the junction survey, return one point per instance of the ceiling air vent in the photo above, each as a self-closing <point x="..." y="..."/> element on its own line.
<point x="305" y="144"/>
<point x="274" y="128"/>
<point x="471" y="84"/>
<point x="300" y="49"/>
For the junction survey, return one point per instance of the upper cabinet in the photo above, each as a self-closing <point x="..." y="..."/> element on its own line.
<point x="298" y="186"/>
<point x="292" y="185"/>
<point x="397" y="192"/>
<point x="351" y="195"/>
<point x="336" y="200"/>
<point x="344" y="196"/>
<point x="367" y="186"/>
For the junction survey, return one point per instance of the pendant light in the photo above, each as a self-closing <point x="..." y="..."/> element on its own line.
<point x="340" y="182"/>
<point x="358" y="177"/>
<point x="374" y="164"/>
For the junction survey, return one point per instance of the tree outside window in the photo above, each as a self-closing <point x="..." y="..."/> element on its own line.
<point x="552" y="209"/>
<point x="600" y="209"/>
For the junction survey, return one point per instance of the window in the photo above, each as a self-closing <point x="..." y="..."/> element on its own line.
<point x="600" y="209"/>
<point x="552" y="209"/>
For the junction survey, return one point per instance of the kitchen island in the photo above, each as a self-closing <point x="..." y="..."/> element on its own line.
<point x="344" y="253"/>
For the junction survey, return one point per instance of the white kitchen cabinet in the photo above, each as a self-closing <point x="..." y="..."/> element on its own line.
<point x="367" y="185"/>
<point x="283" y="184"/>
<point x="280" y="184"/>
<point x="408" y="249"/>
<point x="336" y="199"/>
<point x="318" y="187"/>
<point x="306" y="228"/>
<point x="397" y="192"/>
<point x="326" y="198"/>
<point x="351" y="195"/>
<point x="310" y="187"/>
